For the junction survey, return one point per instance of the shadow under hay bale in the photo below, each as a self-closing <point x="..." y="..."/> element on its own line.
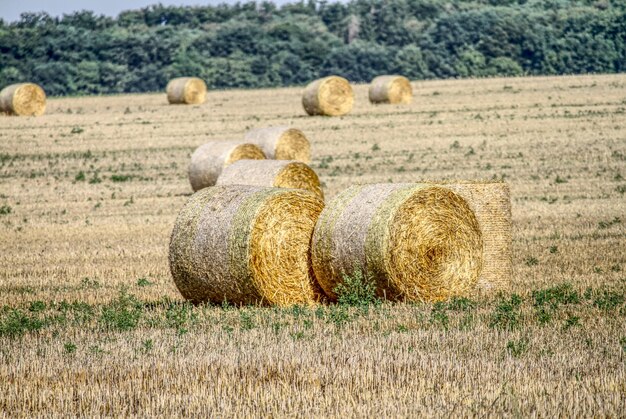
<point x="246" y="245"/>
<point x="391" y="89"/>
<point x="186" y="90"/>
<point x="328" y="96"/>
<point x="281" y="143"/>
<point x="272" y="173"/>
<point x="491" y="203"/>
<point x="418" y="242"/>
<point x="208" y="160"/>
<point x="23" y="99"/>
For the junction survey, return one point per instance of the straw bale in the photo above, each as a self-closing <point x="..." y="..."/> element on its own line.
<point x="391" y="89"/>
<point x="23" y="99"/>
<point x="186" y="90"/>
<point x="274" y="173"/>
<point x="281" y="143"/>
<point x="208" y="161"/>
<point x="329" y="96"/>
<point x="246" y="245"/>
<point x="418" y="242"/>
<point x="491" y="203"/>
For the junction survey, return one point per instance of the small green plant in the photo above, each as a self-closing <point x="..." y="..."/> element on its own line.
<point x="5" y="209"/>
<point x="506" y="315"/>
<point x="402" y="328"/>
<point x="517" y="348"/>
<point x="571" y="321"/>
<point x="37" y="307"/>
<point x="121" y="178"/>
<point x="147" y="345"/>
<point x="180" y="316"/>
<point x="608" y="300"/>
<point x="76" y="130"/>
<point x="245" y="320"/>
<point x="69" y="348"/>
<point x="609" y="224"/>
<point x="439" y="316"/>
<point x="80" y="177"/>
<point x="143" y="282"/>
<point x="357" y="291"/>
<point x="89" y="283"/>
<point x="455" y="145"/>
<point x="531" y="261"/>
<point x="122" y="314"/>
<point x="15" y="323"/>
<point x="559" y="179"/>
<point x="375" y="147"/>
<point x="554" y="249"/>
<point x="95" y="179"/>
<point x="461" y="304"/>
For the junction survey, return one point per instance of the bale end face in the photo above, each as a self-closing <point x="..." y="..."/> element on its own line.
<point x="329" y="96"/>
<point x="23" y="99"/>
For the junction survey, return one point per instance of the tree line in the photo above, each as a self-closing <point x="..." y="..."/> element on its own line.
<point x="262" y="45"/>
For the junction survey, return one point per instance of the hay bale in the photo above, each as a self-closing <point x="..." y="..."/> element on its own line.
<point x="273" y="173"/>
<point x="491" y="203"/>
<point x="23" y="99"/>
<point x="246" y="245"/>
<point x="209" y="159"/>
<point x="281" y="143"/>
<point x="186" y="90"/>
<point x="391" y="89"/>
<point x="329" y="96"/>
<point x="418" y="242"/>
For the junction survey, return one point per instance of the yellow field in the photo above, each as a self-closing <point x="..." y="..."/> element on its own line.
<point x="92" y="324"/>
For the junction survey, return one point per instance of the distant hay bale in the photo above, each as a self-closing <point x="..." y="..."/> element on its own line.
<point x="186" y="90"/>
<point x="23" y="99"/>
<point x="491" y="203"/>
<point x="329" y="96"/>
<point x="209" y="159"/>
<point x="418" y="242"/>
<point x="273" y="173"/>
<point x="391" y="89"/>
<point x="281" y="143"/>
<point x="246" y="245"/>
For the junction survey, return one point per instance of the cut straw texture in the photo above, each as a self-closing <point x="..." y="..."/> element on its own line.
<point x="417" y="242"/>
<point x="246" y="245"/>
<point x="273" y="173"/>
<point x="491" y="203"/>
<point x="186" y="90"/>
<point x="391" y="89"/>
<point x="281" y="143"/>
<point x="208" y="161"/>
<point x="23" y="99"/>
<point x="329" y="96"/>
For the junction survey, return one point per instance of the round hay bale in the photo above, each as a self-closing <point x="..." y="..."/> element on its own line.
<point x="329" y="96"/>
<point x="417" y="242"/>
<point x="209" y="159"/>
<point x="246" y="245"/>
<point x="273" y="173"/>
<point x="186" y="90"/>
<point x="281" y="143"/>
<point x="391" y="89"/>
<point x="491" y="203"/>
<point x="23" y="99"/>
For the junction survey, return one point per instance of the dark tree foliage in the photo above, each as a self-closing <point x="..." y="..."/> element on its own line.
<point x="261" y="45"/>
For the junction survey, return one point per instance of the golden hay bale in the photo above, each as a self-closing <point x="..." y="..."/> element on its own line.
<point x="491" y="203"/>
<point x="391" y="89"/>
<point x="274" y="173"/>
<point x="209" y="159"/>
<point x="246" y="245"/>
<point x="418" y="242"/>
<point x="186" y="90"/>
<point x="281" y="143"/>
<point x="329" y="96"/>
<point x="24" y="99"/>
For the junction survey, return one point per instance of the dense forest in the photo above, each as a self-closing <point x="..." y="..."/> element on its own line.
<point x="260" y="44"/>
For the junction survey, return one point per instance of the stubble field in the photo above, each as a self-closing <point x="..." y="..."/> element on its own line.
<point x="92" y="324"/>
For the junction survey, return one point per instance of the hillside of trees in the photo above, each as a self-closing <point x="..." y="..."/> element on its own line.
<point x="261" y="45"/>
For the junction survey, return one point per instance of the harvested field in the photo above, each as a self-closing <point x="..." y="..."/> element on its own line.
<point x="91" y="322"/>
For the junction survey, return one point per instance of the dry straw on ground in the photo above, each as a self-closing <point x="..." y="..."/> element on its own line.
<point x="273" y="173"/>
<point x="281" y="143"/>
<point x="208" y="161"/>
<point x="328" y="96"/>
<point x="418" y="242"/>
<point x="23" y="99"/>
<point x="390" y="89"/>
<point x="186" y="90"/>
<point x="246" y="245"/>
<point x="491" y="203"/>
